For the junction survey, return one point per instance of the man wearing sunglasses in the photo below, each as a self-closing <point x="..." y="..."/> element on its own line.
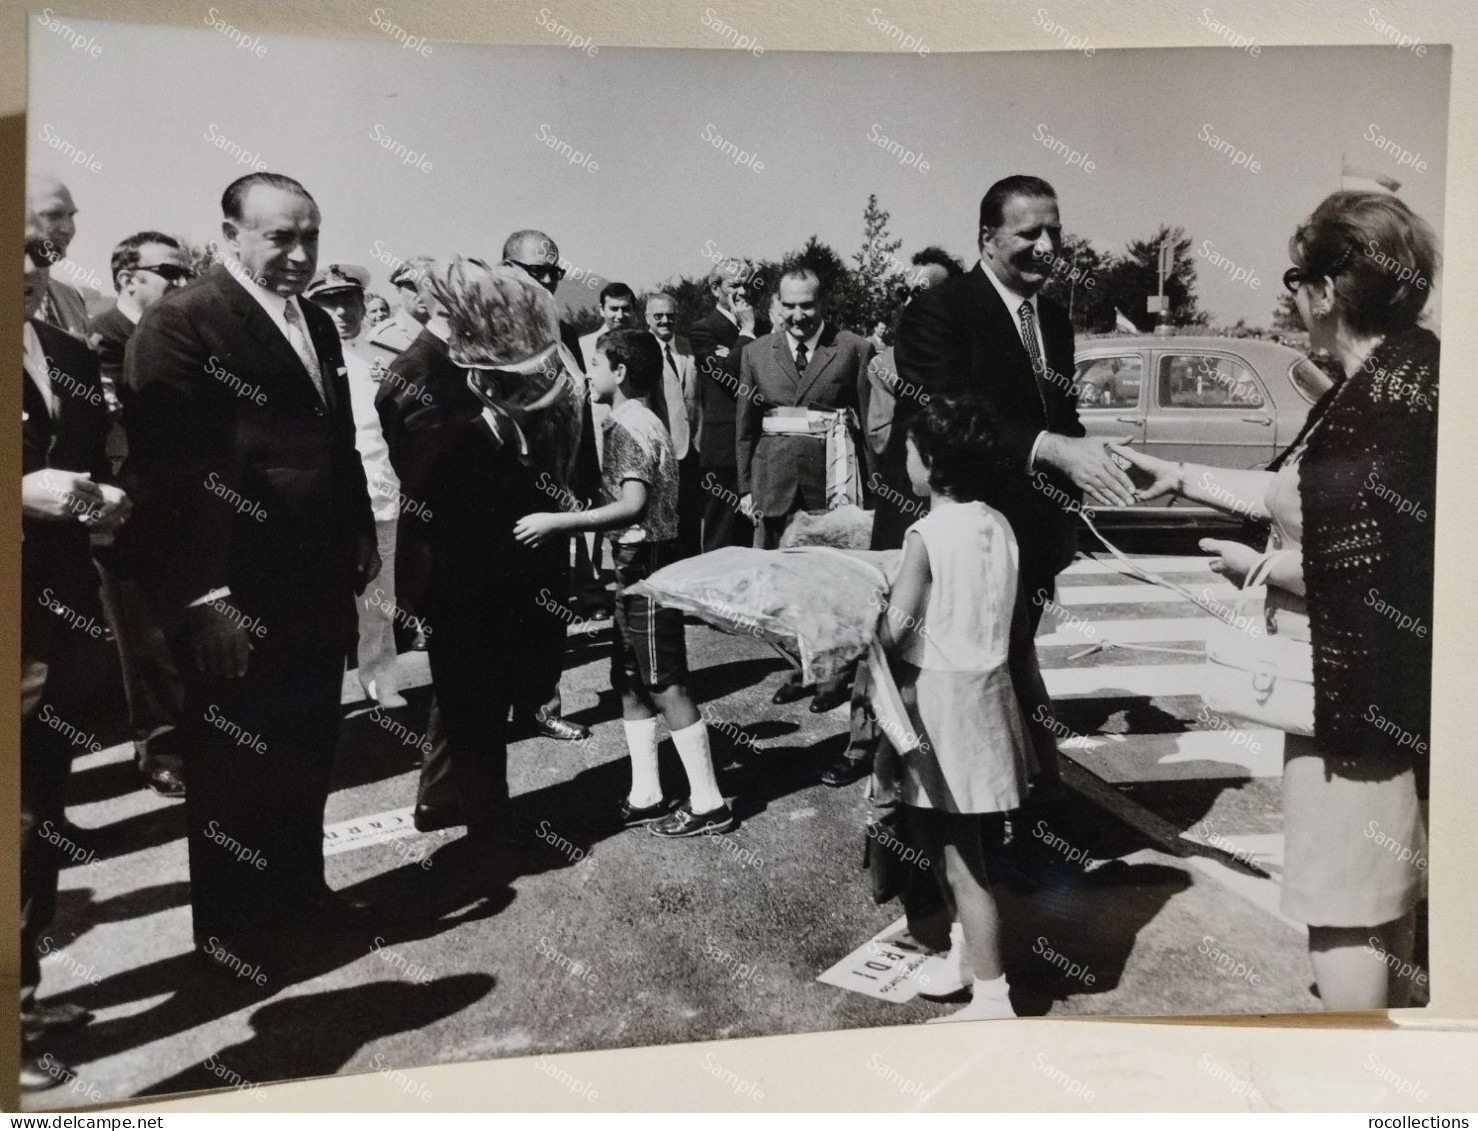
<point x="146" y="267"/>
<point x="537" y="256"/>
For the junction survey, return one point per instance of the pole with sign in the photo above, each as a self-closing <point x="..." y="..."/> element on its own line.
<point x="1158" y="303"/>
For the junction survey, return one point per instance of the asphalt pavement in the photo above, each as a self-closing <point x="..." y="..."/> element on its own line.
<point x="1157" y="894"/>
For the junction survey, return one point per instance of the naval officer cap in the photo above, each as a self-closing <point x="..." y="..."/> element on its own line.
<point x="337" y="277"/>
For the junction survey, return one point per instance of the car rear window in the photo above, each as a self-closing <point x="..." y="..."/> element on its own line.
<point x="1190" y="380"/>
<point x="1110" y="382"/>
<point x="1310" y="381"/>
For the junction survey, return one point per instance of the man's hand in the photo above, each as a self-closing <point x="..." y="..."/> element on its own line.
<point x="746" y="508"/>
<point x="116" y="508"/>
<point x="743" y="313"/>
<point x="56" y="494"/>
<point x="1164" y="475"/>
<point x="1233" y="560"/>
<point x="1090" y="465"/>
<point x="218" y="642"/>
<point x="532" y="529"/>
<point x="366" y="564"/>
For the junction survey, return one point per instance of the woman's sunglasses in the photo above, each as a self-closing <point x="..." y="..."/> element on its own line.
<point x="1296" y="277"/>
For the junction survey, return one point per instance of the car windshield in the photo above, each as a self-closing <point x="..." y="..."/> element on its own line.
<point x="1309" y="379"/>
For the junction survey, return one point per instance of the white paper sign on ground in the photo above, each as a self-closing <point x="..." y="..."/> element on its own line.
<point x="892" y="965"/>
<point x="361" y="832"/>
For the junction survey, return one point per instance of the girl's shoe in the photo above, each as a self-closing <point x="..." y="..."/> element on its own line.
<point x="979" y="1009"/>
<point x="990" y="1000"/>
<point x="952" y="974"/>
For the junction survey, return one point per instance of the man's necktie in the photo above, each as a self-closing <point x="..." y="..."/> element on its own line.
<point x="1034" y="352"/>
<point x="671" y="364"/>
<point x="297" y="335"/>
<point x="48" y="312"/>
<point x="800" y="357"/>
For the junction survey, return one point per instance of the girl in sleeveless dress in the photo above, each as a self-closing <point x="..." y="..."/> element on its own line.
<point x="947" y="627"/>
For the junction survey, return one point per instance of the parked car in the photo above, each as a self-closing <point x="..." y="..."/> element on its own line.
<point x="1229" y="402"/>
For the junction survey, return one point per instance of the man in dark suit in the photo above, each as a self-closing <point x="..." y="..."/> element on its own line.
<point x="253" y="536"/>
<point x="988" y="332"/>
<point x="807" y="366"/>
<point x="717" y="339"/>
<point x="146" y="267"/>
<point x="65" y="498"/>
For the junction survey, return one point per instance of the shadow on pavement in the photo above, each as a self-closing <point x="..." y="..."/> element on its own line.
<point x="317" y="1034"/>
<point x="294" y="955"/>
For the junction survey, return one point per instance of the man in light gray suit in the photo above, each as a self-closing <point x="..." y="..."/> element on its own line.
<point x="679" y="409"/>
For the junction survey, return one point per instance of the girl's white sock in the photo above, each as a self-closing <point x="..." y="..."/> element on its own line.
<point x="993" y="990"/>
<point x="641" y="742"/>
<point x="692" y="748"/>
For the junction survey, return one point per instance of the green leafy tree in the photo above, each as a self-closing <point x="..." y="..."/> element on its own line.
<point x="1286" y="318"/>
<point x="1077" y="284"/>
<point x="1131" y="278"/>
<point x="876" y="270"/>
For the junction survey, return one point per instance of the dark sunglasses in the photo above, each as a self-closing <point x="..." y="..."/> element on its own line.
<point x="1296" y="277"/>
<point x="169" y="272"/>
<point x="543" y="272"/>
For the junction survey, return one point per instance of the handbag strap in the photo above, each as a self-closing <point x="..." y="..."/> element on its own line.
<point x="1219" y="611"/>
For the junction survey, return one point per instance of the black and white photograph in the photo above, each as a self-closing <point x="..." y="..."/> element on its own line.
<point x="544" y="548"/>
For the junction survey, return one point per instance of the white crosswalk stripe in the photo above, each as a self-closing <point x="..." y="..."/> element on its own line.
<point x="1091" y="689"/>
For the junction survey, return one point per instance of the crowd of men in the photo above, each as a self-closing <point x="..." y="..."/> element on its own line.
<point x="253" y="479"/>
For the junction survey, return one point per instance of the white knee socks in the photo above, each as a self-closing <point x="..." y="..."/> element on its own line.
<point x="692" y="748"/>
<point x="641" y="742"/>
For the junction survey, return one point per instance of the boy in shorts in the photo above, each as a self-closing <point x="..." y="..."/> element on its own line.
<point x="649" y="663"/>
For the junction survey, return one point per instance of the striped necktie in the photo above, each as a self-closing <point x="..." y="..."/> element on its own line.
<point x="1034" y="352"/>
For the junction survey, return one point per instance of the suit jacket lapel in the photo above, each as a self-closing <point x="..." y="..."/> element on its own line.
<point x="826" y="351"/>
<point x="261" y="329"/>
<point x="1001" y="331"/>
<point x="786" y="362"/>
<point x="37" y="423"/>
<point x="323" y="347"/>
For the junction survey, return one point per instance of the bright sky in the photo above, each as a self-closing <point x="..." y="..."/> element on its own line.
<point x="661" y="197"/>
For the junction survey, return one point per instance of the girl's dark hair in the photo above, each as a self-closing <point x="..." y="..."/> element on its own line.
<point x="959" y="442"/>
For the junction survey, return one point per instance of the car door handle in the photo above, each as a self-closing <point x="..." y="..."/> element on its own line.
<point x="1265" y="421"/>
<point x="1130" y="420"/>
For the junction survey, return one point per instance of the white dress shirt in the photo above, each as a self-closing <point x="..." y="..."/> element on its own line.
<point x="273" y="303"/>
<point x="1013" y="303"/>
<point x="810" y="342"/>
<point x="129" y="309"/>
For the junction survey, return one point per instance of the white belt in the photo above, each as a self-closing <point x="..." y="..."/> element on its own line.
<point x="798" y="422"/>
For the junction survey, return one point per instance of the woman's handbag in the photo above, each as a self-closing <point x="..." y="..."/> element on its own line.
<point x="1256" y="674"/>
<point x="881" y="856"/>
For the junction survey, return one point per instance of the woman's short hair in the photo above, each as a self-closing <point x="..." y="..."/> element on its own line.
<point x="1381" y="255"/>
<point x="958" y="440"/>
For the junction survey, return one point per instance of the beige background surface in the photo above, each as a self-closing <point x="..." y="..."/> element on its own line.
<point x="1325" y="1062"/>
